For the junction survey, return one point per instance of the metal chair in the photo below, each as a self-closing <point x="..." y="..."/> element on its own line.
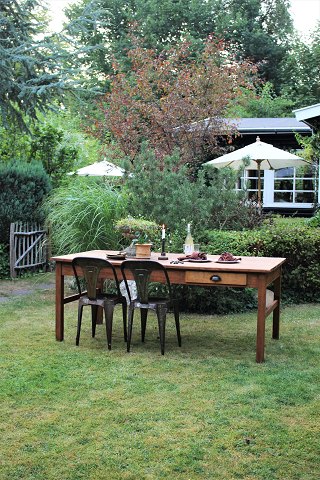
<point x="89" y="269"/>
<point x="144" y="272"/>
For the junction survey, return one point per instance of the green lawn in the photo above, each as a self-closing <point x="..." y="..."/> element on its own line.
<point x="205" y="411"/>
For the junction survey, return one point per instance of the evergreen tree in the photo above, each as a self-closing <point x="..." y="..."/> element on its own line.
<point x="36" y="70"/>
<point x="258" y="29"/>
<point x="301" y="71"/>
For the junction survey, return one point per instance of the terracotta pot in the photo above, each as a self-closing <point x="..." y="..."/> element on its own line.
<point x="143" y="250"/>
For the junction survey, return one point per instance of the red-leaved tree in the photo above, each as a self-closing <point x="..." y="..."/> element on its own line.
<point x="177" y="99"/>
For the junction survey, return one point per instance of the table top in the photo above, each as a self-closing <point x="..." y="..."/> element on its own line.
<point x="246" y="264"/>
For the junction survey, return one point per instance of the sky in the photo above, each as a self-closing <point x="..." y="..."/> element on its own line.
<point x="305" y="13"/>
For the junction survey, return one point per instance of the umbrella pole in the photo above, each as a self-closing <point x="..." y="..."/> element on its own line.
<point x="259" y="182"/>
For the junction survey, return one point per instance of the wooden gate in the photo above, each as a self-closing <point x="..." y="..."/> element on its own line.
<point x="28" y="247"/>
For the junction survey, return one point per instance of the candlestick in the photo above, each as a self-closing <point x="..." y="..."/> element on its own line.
<point x="163" y="255"/>
<point x="163" y="252"/>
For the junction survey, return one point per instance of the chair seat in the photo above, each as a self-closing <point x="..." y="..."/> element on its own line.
<point x="101" y="298"/>
<point x="153" y="302"/>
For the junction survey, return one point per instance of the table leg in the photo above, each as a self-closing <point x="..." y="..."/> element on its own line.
<point x="276" y="311"/>
<point x="59" y="302"/>
<point x="261" y="320"/>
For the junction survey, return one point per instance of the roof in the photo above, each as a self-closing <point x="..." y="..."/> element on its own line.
<point x="271" y="125"/>
<point x="309" y="115"/>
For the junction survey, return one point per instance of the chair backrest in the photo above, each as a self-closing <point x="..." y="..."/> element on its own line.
<point x="90" y="268"/>
<point x="141" y="270"/>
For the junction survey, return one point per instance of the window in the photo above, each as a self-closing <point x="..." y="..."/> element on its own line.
<point x="287" y="185"/>
<point x="249" y="183"/>
<point x="294" y="185"/>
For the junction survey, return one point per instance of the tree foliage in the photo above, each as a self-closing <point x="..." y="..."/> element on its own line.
<point x="14" y="144"/>
<point x="36" y="70"/>
<point x="174" y="100"/>
<point x="258" y="29"/>
<point x="301" y="71"/>
<point x="262" y="103"/>
<point x="167" y="196"/>
<point x="49" y="147"/>
<point x="23" y="186"/>
<point x="55" y="140"/>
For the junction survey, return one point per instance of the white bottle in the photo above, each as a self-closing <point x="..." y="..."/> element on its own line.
<point x="188" y="243"/>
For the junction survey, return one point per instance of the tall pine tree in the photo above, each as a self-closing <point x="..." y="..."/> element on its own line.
<point x="37" y="70"/>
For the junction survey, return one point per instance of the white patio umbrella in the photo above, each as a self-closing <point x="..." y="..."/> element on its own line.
<point x="261" y="156"/>
<point x="100" y="169"/>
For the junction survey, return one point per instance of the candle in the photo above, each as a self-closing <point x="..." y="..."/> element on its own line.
<point x="163" y="244"/>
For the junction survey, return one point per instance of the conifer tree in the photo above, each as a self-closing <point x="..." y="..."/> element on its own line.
<point x="37" y="70"/>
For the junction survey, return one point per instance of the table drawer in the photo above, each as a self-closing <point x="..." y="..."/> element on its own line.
<point x="216" y="278"/>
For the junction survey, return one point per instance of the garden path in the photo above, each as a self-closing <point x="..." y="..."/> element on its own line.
<point x="10" y="289"/>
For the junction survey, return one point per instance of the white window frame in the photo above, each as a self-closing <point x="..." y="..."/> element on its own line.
<point x="267" y="189"/>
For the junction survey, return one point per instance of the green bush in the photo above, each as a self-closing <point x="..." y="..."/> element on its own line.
<point x="315" y="220"/>
<point x="220" y="300"/>
<point x="81" y="216"/>
<point x="293" y="239"/>
<point x="298" y="243"/>
<point x="23" y="186"/>
<point x="4" y="261"/>
<point x="52" y="147"/>
<point x="163" y="191"/>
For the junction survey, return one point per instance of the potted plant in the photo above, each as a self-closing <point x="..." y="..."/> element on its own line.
<point x="140" y="232"/>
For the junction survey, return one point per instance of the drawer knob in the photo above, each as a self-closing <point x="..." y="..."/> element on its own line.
<point x="215" y="278"/>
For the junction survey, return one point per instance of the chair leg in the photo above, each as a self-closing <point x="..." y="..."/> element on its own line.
<point x="130" y="322"/>
<point x="177" y="320"/>
<point x="162" y="315"/>
<point x="144" y="316"/>
<point x="108" y="311"/>
<point x="94" y="313"/>
<point x="124" y="316"/>
<point x="80" y="308"/>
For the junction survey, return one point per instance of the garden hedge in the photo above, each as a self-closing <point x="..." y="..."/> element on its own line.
<point x="298" y="242"/>
<point x="23" y="186"/>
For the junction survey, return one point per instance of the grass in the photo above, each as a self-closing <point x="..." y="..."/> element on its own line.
<point x="205" y="411"/>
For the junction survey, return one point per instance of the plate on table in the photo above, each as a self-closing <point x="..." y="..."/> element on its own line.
<point x="201" y="260"/>
<point x="115" y="256"/>
<point x="228" y="261"/>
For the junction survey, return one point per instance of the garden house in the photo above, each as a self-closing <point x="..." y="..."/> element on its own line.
<point x="286" y="190"/>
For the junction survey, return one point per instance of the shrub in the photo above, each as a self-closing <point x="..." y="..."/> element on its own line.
<point x="50" y="146"/>
<point x="161" y="191"/>
<point x="23" y="186"/>
<point x="298" y="243"/>
<point x="4" y="261"/>
<point x="81" y="216"/>
<point x="315" y="220"/>
<point x="292" y="239"/>
<point x="220" y="300"/>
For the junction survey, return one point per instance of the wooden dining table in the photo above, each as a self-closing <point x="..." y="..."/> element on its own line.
<point x="253" y="272"/>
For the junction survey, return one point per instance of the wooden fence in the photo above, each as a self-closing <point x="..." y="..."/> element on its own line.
<point x="28" y="247"/>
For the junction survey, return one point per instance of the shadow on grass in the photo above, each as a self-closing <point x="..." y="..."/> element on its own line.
<point x="203" y="336"/>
